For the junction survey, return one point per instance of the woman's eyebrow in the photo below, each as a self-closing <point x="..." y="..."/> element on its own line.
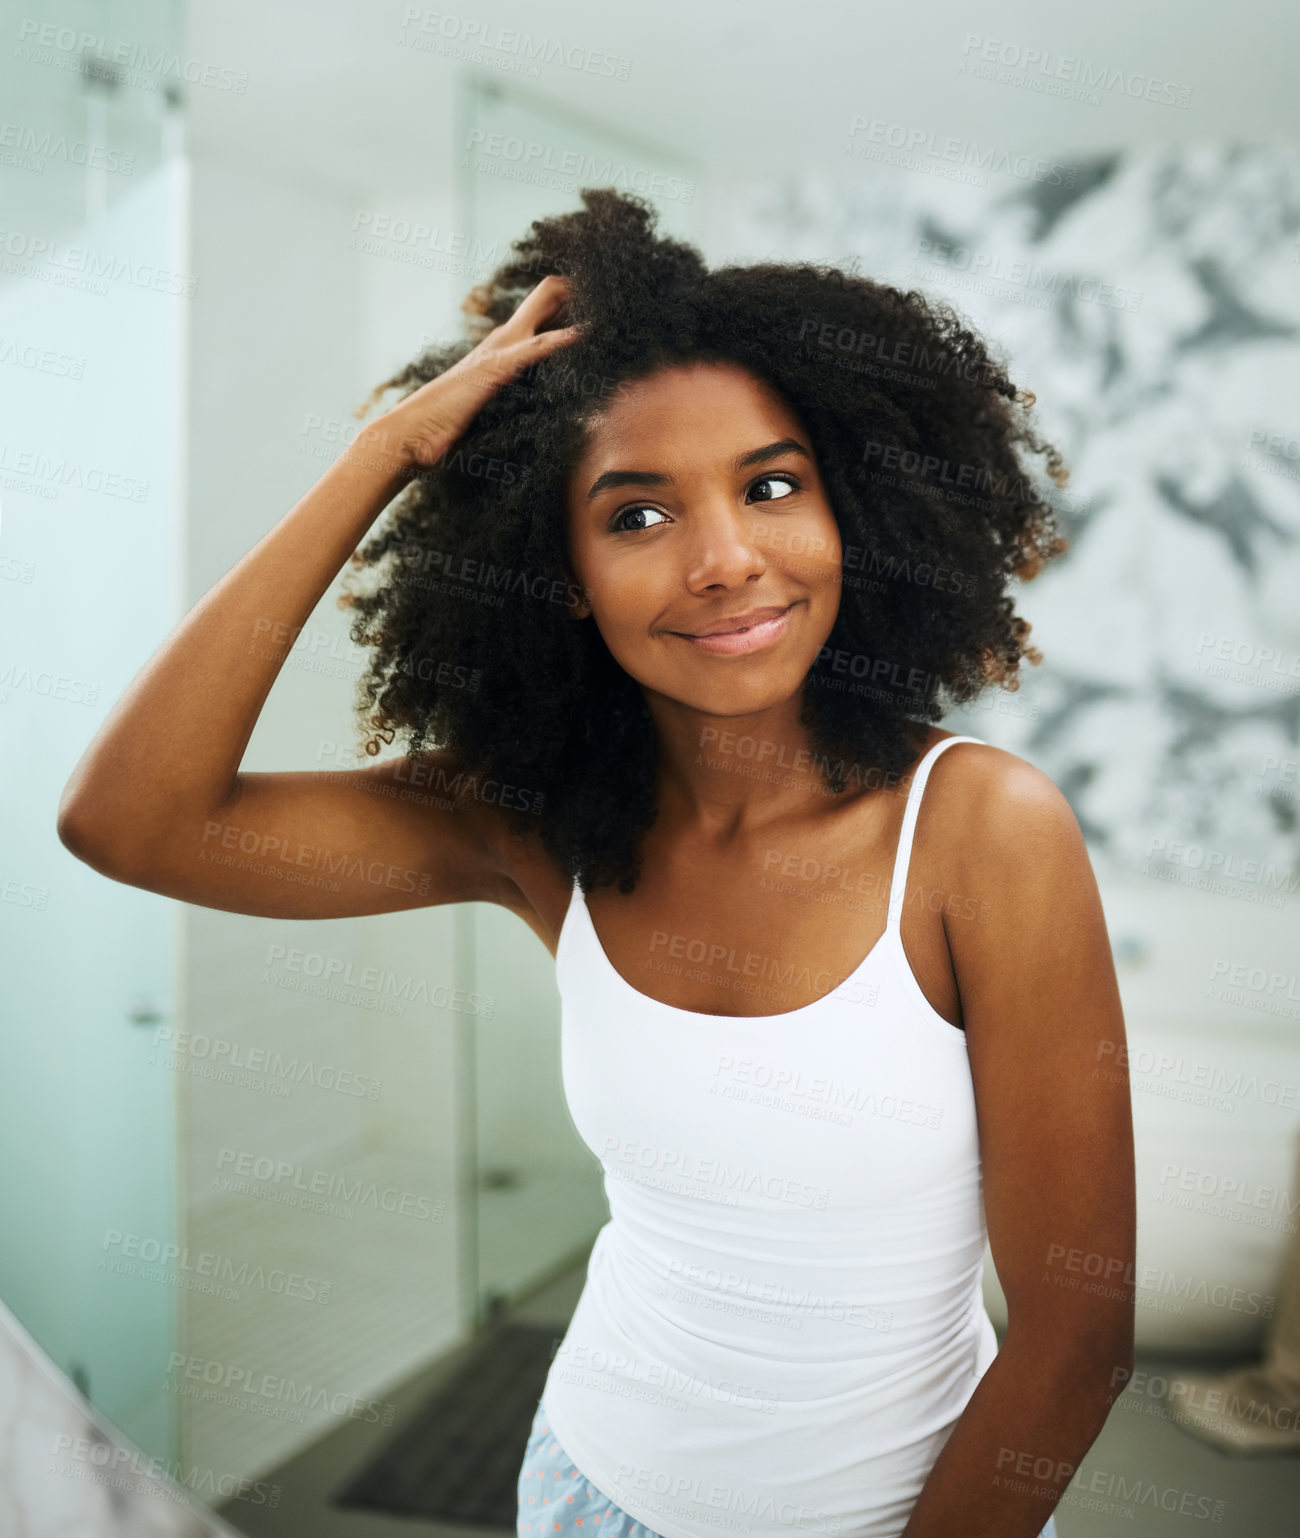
<point x="655" y="478"/>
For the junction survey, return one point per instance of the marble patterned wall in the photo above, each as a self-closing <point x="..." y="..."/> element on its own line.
<point x="1151" y="301"/>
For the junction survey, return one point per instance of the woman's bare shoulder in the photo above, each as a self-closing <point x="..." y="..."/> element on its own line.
<point x="990" y="779"/>
<point x="1006" y="788"/>
<point x="988" y="813"/>
<point x="1001" y="832"/>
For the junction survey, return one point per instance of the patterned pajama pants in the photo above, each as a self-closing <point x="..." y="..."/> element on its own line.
<point x="555" y="1498"/>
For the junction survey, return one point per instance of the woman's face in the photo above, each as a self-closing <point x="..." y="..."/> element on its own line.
<point x="696" y="507"/>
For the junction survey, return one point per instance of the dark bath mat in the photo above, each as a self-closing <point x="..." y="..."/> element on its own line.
<point x="457" y="1458"/>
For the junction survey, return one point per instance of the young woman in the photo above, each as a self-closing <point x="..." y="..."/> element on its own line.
<point x="667" y="606"/>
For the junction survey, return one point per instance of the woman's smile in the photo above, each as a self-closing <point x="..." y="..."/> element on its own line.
<point x="748" y="632"/>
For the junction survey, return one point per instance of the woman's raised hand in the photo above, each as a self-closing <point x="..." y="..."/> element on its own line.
<point x="420" y="429"/>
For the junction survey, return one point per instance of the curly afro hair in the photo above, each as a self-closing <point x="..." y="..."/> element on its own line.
<point x="917" y="432"/>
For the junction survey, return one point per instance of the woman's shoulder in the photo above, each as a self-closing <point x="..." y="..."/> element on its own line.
<point x="995" y="798"/>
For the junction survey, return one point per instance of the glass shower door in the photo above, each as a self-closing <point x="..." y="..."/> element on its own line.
<point x="93" y="299"/>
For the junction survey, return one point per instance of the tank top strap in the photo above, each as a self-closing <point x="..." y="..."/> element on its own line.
<point x="903" y="857"/>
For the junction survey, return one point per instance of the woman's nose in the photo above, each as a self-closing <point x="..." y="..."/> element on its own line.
<point x="722" y="547"/>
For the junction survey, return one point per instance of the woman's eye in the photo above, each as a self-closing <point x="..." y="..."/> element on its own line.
<point x="788" y="481"/>
<point x="629" y="512"/>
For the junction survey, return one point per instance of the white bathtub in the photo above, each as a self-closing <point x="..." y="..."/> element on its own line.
<point x="1216" y="1108"/>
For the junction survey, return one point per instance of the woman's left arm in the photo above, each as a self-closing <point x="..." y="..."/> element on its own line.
<point x="1046" y="1044"/>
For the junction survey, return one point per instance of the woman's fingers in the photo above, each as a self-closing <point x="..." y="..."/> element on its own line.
<point x="506" y="358"/>
<point x="540" y="304"/>
<point x="430" y="419"/>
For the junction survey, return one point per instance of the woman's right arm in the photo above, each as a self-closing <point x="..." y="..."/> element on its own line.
<point x="158" y="800"/>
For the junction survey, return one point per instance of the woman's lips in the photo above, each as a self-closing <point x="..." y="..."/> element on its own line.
<point x="731" y="642"/>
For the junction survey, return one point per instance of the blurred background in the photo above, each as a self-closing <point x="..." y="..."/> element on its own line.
<point x="294" y="1213"/>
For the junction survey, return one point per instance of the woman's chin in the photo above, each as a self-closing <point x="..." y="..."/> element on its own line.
<point x="732" y="696"/>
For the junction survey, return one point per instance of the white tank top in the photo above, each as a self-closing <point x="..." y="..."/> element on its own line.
<point x="783" y="1317"/>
